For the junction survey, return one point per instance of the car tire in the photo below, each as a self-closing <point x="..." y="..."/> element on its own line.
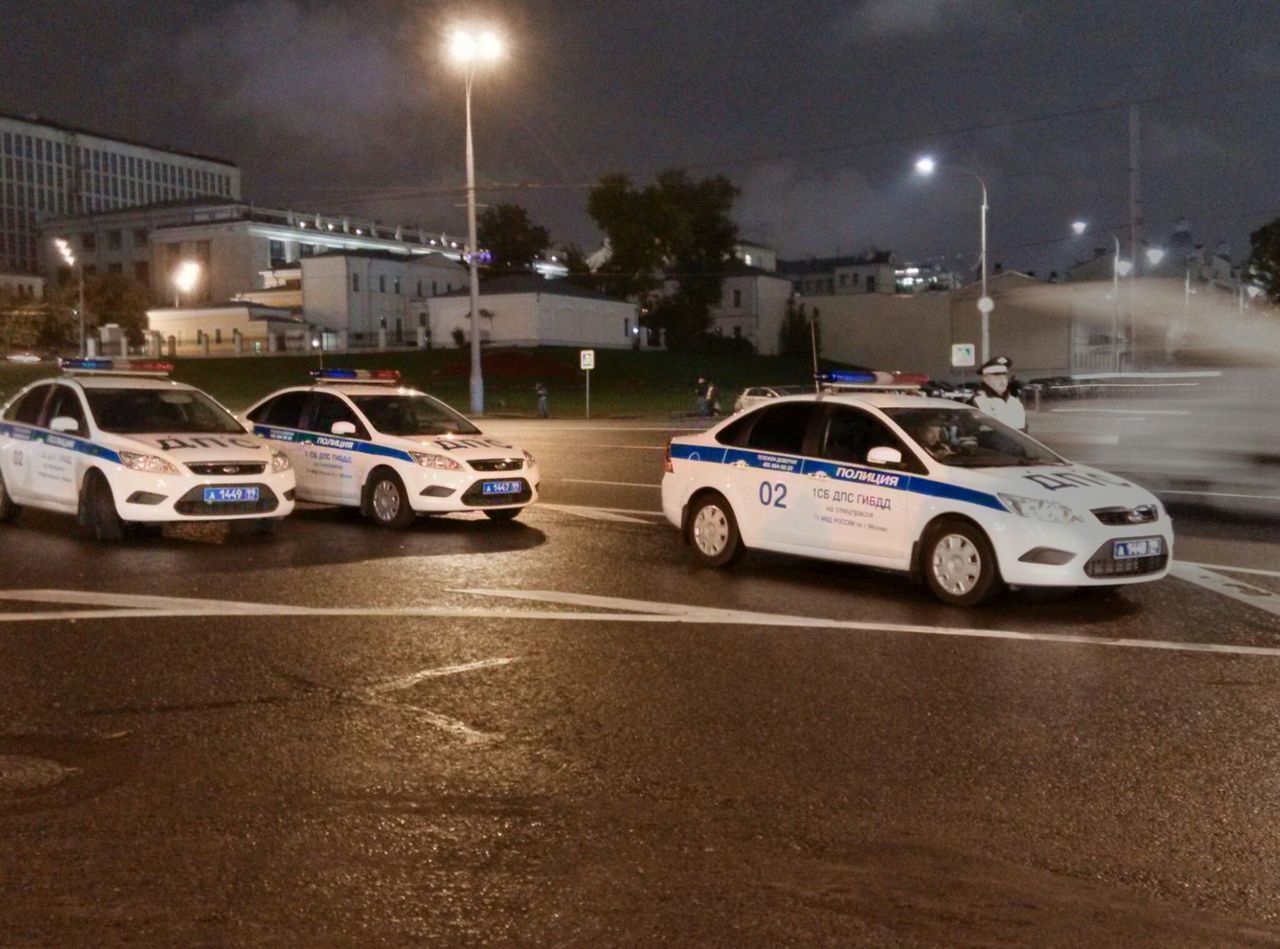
<point x="8" y="510"/>
<point x="388" y="501"/>
<point x="99" y="509"/>
<point x="712" y="531"/>
<point x="959" y="564"/>
<point x="504" y="514"/>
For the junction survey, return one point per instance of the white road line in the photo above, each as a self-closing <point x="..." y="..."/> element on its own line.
<point x="1223" y="494"/>
<point x="444" y="722"/>
<point x="1123" y="411"/>
<point x="596" y="513"/>
<point x="620" y="484"/>
<point x="605" y="428"/>
<point x="1236" y="590"/>
<point x="1229" y="569"/>
<point x="1082" y="438"/>
<point x="405" y="682"/>
<point x="534" y="441"/>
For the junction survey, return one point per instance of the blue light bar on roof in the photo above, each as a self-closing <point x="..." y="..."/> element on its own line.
<point x="849" y="378"/>
<point x="355" y="375"/>
<point x="132" y="367"/>
<point x="98" y="364"/>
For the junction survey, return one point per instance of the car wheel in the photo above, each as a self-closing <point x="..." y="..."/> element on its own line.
<point x="8" y="510"/>
<point x="960" y="565"/>
<point x="388" y="501"/>
<point x="99" y="507"/>
<point x="504" y="514"/>
<point x="713" y="532"/>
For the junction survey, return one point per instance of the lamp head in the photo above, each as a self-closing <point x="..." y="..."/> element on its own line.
<point x="925" y="165"/>
<point x="1079" y="227"/>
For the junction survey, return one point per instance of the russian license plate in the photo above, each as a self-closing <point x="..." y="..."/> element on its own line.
<point x="229" y="495"/>
<point x="501" y="487"/>
<point x="1140" y="547"/>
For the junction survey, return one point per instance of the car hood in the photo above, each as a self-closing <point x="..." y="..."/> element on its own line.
<point x="189" y="448"/>
<point x="1076" y="486"/>
<point x="462" y="447"/>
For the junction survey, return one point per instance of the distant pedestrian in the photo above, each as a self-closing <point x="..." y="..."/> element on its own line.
<point x="540" y="390"/>
<point x="704" y="406"/>
<point x="713" y="399"/>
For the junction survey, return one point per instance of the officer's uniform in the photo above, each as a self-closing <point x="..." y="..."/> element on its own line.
<point x="1002" y="406"/>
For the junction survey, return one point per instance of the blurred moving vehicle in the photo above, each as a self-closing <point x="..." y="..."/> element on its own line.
<point x="118" y="443"/>
<point x="358" y="438"/>
<point x="759" y="395"/>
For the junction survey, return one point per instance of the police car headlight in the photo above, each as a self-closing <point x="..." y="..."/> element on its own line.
<point x="279" y="461"/>
<point x="428" y="460"/>
<point x="148" y="463"/>
<point x="528" y="459"/>
<point x="1040" y="510"/>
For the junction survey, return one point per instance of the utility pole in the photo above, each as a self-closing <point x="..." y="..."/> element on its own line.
<point x="1135" y="230"/>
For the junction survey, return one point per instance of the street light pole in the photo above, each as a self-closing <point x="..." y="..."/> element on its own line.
<point x="69" y="258"/>
<point x="477" y="378"/>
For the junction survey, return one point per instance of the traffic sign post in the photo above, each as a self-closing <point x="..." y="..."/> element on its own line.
<point x="587" y="362"/>
<point x="963" y="355"/>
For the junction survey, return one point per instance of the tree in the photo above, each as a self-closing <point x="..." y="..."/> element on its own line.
<point x="677" y="229"/>
<point x="1264" y="258"/>
<point x="114" y="298"/>
<point x="513" y="241"/>
<point x="795" y="338"/>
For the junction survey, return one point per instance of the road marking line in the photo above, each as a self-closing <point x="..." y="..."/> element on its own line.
<point x="620" y="484"/>
<point x="1221" y="566"/>
<point x="492" y="429"/>
<point x="644" y="611"/>
<point x="1121" y="412"/>
<point x="595" y="513"/>
<point x="1236" y="590"/>
<point x="1082" y="438"/>
<point x="532" y="441"/>
<point x="1223" y="494"/>
<point x="405" y="682"/>
<point x="452" y="725"/>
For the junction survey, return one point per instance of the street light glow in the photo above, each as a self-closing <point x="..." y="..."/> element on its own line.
<point x="186" y="275"/>
<point x="466" y="46"/>
<point x="1154" y="255"/>
<point x="1123" y="267"/>
<point x="1079" y="227"/>
<point x="925" y="165"/>
<point x="65" y="250"/>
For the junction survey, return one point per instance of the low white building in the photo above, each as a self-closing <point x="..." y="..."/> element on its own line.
<point x="528" y="310"/>
<point x="753" y="302"/>
<point x="376" y="298"/>
<point x="234" y="327"/>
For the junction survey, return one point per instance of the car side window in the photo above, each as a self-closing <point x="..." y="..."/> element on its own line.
<point x="27" y="409"/>
<point x="327" y="409"/>
<point x="285" y="410"/>
<point x="849" y="434"/>
<point x="781" y="428"/>
<point x="66" y="402"/>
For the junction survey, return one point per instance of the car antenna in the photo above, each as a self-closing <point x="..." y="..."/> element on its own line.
<point x="813" y="345"/>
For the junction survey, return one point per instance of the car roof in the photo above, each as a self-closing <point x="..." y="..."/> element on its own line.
<point x="879" y="400"/>
<point x="356" y="388"/>
<point x="90" y="381"/>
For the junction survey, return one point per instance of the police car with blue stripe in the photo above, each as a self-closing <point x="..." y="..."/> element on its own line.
<point x="119" y="443"/>
<point x="358" y="438"/>
<point x="872" y="473"/>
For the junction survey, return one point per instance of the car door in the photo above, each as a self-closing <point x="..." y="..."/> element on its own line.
<point x="279" y="420"/>
<point x="19" y="439"/>
<point x="56" y="476"/>
<point x="333" y="461"/>
<point x="863" y="508"/>
<point x="765" y="471"/>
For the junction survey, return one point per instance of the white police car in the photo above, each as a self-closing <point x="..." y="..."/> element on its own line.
<point x="118" y="443"/>
<point x="896" y="480"/>
<point x="360" y="439"/>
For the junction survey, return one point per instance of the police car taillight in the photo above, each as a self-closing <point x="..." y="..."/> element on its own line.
<point x="666" y="459"/>
<point x="356" y="375"/>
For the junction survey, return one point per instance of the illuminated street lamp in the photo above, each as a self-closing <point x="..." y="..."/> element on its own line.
<point x="926" y="166"/>
<point x="1079" y="227"/>
<point x="470" y="48"/>
<point x="185" y="278"/>
<point x="1155" y="255"/>
<point x="69" y="258"/>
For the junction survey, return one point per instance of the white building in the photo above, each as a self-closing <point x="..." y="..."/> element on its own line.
<point x="49" y="170"/>
<point x="22" y="285"/>
<point x="753" y="303"/>
<point x="228" y="328"/>
<point x="376" y="298"/>
<point x="238" y="246"/>
<point x="872" y="272"/>
<point x="528" y="310"/>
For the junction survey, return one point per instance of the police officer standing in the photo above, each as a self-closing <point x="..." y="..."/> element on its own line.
<point x="998" y="396"/>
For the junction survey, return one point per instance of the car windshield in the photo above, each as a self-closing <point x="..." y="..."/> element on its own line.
<point x="966" y="438"/>
<point x="409" y="415"/>
<point x="144" y="411"/>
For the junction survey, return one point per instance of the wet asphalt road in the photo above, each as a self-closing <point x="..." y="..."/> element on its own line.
<point x="438" y="737"/>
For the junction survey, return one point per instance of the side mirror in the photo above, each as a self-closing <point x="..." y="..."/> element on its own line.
<point x="342" y="428"/>
<point x="65" y="423"/>
<point x="884" y="457"/>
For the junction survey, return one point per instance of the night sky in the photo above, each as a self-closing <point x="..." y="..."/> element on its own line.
<point x="816" y="110"/>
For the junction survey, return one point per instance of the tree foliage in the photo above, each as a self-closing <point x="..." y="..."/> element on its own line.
<point x="54" y="323"/>
<point x="1264" y="258"/>
<point x="674" y="235"/>
<point x="512" y="239"/>
<point x="795" y="338"/>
